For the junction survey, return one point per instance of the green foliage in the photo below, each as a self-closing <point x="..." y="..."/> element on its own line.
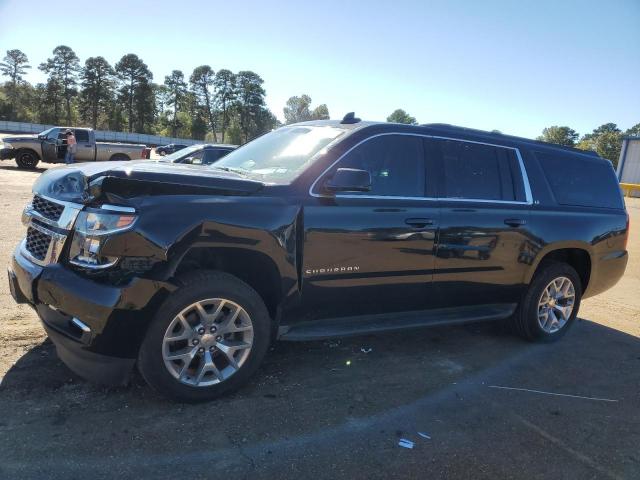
<point x="250" y="104"/>
<point x="606" y="140"/>
<point x="202" y="83"/>
<point x="559" y="135"/>
<point x="135" y="77"/>
<point x="633" y="131"/>
<point x="63" y="69"/>
<point x="224" y="84"/>
<point x="400" y="116"/>
<point x="298" y="109"/>
<point x="98" y="92"/>
<point x="14" y="66"/>
<point x="177" y="90"/>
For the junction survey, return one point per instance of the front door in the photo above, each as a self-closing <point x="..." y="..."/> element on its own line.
<point x="371" y="252"/>
<point x="483" y="223"/>
<point x="50" y="146"/>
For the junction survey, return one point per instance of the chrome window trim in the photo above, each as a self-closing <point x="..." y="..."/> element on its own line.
<point x="523" y="173"/>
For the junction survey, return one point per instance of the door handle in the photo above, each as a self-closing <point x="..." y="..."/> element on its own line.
<point x="419" y="222"/>
<point x="515" y="222"/>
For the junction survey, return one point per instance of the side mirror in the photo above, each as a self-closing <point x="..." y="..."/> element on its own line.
<point x="349" y="180"/>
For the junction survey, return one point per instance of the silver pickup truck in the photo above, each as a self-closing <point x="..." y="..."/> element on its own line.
<point x="50" y="146"/>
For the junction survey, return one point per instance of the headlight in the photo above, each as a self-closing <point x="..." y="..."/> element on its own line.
<point x="6" y="145"/>
<point x="91" y="231"/>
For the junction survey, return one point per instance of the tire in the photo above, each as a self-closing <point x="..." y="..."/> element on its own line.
<point x="27" y="159"/>
<point x="530" y="320"/>
<point x="177" y="378"/>
<point x="119" y="157"/>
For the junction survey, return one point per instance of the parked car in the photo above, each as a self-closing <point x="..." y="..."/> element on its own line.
<point x="315" y="230"/>
<point x="202" y="154"/>
<point x="50" y="146"/>
<point x="169" y="149"/>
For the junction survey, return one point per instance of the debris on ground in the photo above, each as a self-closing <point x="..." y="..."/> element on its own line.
<point x="404" y="443"/>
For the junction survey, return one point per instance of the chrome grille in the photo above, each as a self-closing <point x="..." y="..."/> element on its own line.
<point x="37" y="243"/>
<point x="47" y="208"/>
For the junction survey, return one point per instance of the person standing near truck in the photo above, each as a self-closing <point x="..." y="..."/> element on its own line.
<point x="70" y="155"/>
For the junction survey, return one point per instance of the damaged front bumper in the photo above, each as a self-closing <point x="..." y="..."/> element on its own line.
<point x="97" y="329"/>
<point x="7" y="153"/>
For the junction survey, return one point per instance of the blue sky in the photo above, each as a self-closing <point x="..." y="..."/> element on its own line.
<point x="516" y="66"/>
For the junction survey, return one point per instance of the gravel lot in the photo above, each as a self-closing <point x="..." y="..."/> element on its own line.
<point x="332" y="410"/>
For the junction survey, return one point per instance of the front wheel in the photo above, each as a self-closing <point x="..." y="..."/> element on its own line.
<point x="207" y="338"/>
<point x="27" y="159"/>
<point x="551" y="303"/>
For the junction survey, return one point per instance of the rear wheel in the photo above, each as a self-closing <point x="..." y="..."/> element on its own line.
<point x="207" y="338"/>
<point x="119" y="157"/>
<point x="551" y="303"/>
<point x="27" y="159"/>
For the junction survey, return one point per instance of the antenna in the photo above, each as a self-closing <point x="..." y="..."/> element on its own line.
<point x="350" y="118"/>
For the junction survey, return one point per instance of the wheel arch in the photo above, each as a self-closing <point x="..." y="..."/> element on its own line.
<point x="27" y="150"/>
<point x="576" y="254"/>
<point x="255" y="268"/>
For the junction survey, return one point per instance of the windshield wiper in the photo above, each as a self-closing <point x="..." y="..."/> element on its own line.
<point x="239" y="171"/>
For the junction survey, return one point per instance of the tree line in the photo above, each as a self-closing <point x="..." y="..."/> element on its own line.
<point x="606" y="140"/>
<point x="220" y="106"/>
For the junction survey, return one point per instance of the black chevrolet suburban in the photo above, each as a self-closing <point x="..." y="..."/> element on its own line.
<point x="315" y="230"/>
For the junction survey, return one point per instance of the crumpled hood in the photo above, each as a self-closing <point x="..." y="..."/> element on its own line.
<point x="83" y="183"/>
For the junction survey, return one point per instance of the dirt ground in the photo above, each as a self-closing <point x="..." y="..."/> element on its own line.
<point x="335" y="411"/>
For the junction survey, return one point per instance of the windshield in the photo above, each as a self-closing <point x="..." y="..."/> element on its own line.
<point x="279" y="156"/>
<point x="45" y="133"/>
<point x="185" y="152"/>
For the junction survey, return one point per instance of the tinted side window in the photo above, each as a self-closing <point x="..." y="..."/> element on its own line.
<point x="213" y="154"/>
<point x="476" y="171"/>
<point x="395" y="162"/>
<point x="581" y="181"/>
<point x="82" y="136"/>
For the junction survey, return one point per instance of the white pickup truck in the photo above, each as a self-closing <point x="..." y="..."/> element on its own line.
<point x="50" y="146"/>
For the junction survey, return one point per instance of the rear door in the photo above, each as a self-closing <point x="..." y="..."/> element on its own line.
<point x="484" y="239"/>
<point x="85" y="148"/>
<point x="371" y="252"/>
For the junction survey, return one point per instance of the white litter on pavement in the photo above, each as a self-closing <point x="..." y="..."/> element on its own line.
<point x="424" y="435"/>
<point x="553" y="393"/>
<point x="404" y="443"/>
<point x="366" y="349"/>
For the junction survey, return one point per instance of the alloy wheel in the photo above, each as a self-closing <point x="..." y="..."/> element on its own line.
<point x="556" y="304"/>
<point x="207" y="342"/>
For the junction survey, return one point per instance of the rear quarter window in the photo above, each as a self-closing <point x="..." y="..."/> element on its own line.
<point x="581" y="181"/>
<point x="82" y="136"/>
